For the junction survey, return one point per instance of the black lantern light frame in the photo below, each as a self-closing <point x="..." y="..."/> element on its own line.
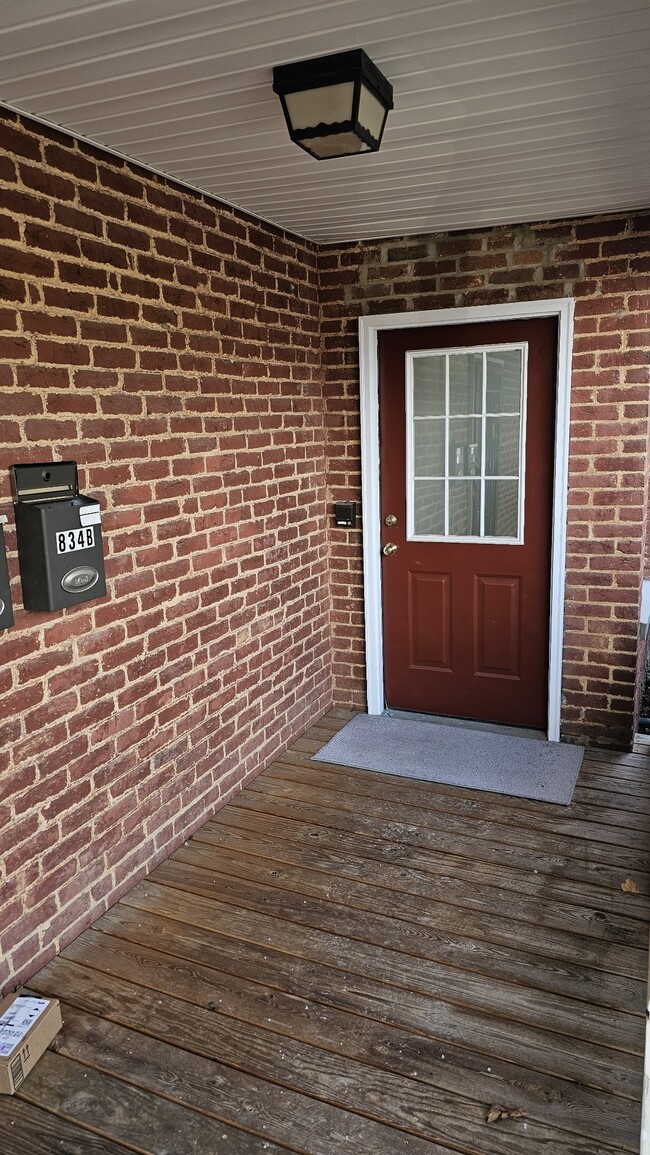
<point x="334" y="105"/>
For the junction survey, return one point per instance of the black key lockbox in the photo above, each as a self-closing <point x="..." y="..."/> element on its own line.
<point x="6" y="611"/>
<point x="59" y="537"/>
<point x="345" y="513"/>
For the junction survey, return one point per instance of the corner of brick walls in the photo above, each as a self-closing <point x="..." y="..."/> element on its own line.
<point x="604" y="263"/>
<point x="172" y="348"/>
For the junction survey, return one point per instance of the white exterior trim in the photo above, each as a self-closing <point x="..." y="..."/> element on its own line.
<point x="645" y="1099"/>
<point x="369" y="329"/>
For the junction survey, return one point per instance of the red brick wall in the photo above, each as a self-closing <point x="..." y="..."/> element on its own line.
<point x="171" y="348"/>
<point x="605" y="264"/>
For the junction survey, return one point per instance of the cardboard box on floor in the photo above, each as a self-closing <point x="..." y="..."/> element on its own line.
<point x="27" y="1026"/>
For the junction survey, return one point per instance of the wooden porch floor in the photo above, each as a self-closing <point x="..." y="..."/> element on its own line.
<point x="346" y="962"/>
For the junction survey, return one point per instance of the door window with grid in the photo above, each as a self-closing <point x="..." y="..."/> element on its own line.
<point x="465" y="444"/>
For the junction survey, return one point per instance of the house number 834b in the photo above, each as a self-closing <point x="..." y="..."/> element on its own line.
<point x="71" y="540"/>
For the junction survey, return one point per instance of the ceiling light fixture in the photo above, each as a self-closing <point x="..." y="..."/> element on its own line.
<point x="335" y="105"/>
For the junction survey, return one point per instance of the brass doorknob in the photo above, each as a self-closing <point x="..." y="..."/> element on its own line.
<point x="389" y="549"/>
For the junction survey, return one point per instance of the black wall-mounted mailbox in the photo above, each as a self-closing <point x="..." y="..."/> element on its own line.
<point x="6" y="611"/>
<point x="59" y="537"/>
<point x="345" y="513"/>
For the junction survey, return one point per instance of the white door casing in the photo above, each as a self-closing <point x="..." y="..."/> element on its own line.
<point x="369" y="329"/>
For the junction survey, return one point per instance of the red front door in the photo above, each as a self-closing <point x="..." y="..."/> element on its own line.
<point x="466" y="443"/>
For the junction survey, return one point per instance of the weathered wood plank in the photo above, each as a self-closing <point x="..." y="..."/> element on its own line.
<point x="464" y="965"/>
<point x="28" y="1130"/>
<point x="577" y="820"/>
<point x="526" y="899"/>
<point x="348" y="1034"/>
<point x="422" y="1120"/>
<point x="584" y="957"/>
<point x="344" y="961"/>
<point x="118" y="1110"/>
<point x="269" y="1110"/>
<point x="415" y="979"/>
<point x="314" y="873"/>
<point x="293" y="963"/>
<point x="405" y="868"/>
<point x="617" y="762"/>
<point x="397" y="1028"/>
<point x="630" y="853"/>
<point x="596" y="792"/>
<point x="417" y="845"/>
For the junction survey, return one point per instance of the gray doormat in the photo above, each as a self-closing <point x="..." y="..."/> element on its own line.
<point x="457" y="756"/>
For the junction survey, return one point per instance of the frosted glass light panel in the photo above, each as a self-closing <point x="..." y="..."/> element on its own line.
<point x="466" y="412"/>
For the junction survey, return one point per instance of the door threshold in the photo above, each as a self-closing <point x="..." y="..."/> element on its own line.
<point x="466" y="723"/>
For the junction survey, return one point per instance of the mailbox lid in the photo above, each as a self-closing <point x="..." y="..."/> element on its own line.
<point x="45" y="481"/>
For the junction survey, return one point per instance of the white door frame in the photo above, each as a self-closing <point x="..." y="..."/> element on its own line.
<point x="369" y="329"/>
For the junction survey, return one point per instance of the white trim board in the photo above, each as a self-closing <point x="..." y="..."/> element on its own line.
<point x="369" y="329"/>
<point x="645" y="1099"/>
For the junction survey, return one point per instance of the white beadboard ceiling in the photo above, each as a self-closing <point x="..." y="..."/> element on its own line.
<point x="505" y="110"/>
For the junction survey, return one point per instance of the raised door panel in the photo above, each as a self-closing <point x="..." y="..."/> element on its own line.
<point x="497" y="625"/>
<point x="429" y="620"/>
